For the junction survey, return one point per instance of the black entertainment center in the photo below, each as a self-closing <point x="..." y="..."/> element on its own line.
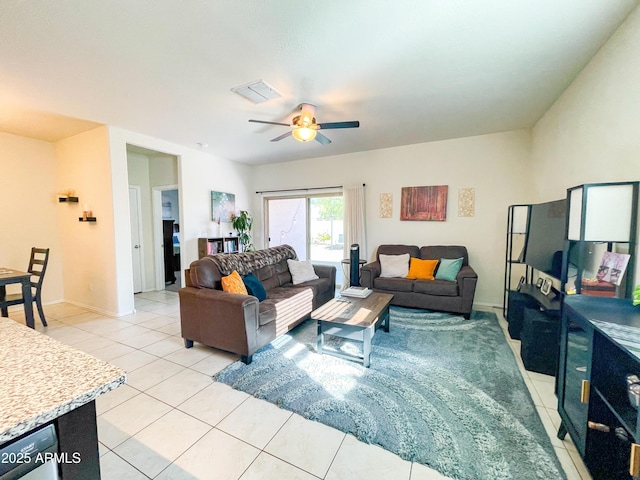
<point x="534" y="316"/>
<point x="591" y="343"/>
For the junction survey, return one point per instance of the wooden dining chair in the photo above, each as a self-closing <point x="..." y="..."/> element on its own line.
<point x="37" y="268"/>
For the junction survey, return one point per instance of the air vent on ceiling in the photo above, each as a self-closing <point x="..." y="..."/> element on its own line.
<point x="258" y="91"/>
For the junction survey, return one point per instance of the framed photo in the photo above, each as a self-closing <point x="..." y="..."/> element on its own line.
<point x="546" y="287"/>
<point x="539" y="283"/>
<point x="520" y="283"/>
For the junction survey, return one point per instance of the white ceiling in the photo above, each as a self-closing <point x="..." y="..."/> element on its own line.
<point x="410" y="71"/>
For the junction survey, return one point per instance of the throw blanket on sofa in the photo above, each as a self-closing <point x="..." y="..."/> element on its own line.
<point x="247" y="262"/>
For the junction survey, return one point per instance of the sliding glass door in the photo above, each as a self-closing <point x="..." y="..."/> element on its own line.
<point x="311" y="224"/>
<point x="287" y="223"/>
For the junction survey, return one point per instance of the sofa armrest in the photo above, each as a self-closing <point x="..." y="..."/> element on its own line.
<point x="326" y="271"/>
<point x="368" y="273"/>
<point x="467" y="280"/>
<point x="466" y="272"/>
<point x="223" y="320"/>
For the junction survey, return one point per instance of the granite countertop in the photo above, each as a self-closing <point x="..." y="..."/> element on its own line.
<point x="42" y="379"/>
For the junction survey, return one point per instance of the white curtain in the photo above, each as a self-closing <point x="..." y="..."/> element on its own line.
<point x="354" y="220"/>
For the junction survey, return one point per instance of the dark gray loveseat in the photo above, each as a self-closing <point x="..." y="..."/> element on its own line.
<point x="441" y="295"/>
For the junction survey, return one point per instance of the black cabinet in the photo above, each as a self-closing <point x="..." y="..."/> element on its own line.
<point x="574" y="375"/>
<point x="518" y="302"/>
<point x="534" y="318"/>
<point x="600" y="346"/>
<point x="540" y="341"/>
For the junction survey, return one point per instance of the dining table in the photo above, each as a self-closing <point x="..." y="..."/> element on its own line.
<point x="9" y="276"/>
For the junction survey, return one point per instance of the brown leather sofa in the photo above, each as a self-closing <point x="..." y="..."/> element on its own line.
<point x="440" y="295"/>
<point x="240" y="323"/>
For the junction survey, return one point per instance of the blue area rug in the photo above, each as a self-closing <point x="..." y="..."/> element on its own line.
<point x="442" y="391"/>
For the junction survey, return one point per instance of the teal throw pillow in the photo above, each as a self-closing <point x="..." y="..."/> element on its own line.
<point x="254" y="286"/>
<point x="448" y="269"/>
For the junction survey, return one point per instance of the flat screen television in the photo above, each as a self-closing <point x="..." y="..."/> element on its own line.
<point x="546" y="236"/>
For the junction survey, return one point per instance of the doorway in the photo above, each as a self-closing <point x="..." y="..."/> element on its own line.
<point x="153" y="172"/>
<point x="171" y="239"/>
<point x="311" y="224"/>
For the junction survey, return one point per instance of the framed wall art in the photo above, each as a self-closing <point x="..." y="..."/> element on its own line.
<point x="424" y="203"/>
<point x="386" y="205"/>
<point x="466" y="202"/>
<point x="223" y="205"/>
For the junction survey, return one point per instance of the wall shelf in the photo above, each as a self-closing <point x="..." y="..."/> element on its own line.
<point x="604" y="213"/>
<point x="68" y="199"/>
<point x="88" y="219"/>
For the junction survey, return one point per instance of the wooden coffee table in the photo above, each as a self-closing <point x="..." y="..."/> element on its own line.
<point x="353" y="318"/>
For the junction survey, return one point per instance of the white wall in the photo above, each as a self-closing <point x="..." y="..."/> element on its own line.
<point x="592" y="132"/>
<point x="88" y="248"/>
<point x="497" y="166"/>
<point x="30" y="213"/>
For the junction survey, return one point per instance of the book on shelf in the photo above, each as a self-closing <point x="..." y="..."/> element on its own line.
<point x="360" y="292"/>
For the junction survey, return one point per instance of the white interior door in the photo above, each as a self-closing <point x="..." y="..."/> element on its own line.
<point x="135" y="215"/>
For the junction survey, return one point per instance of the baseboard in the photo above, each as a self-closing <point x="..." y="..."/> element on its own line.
<point x="485" y="306"/>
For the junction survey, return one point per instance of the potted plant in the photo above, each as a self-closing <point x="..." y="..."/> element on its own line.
<point x="242" y="224"/>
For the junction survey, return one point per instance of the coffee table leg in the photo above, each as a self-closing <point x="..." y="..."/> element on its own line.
<point x="320" y="338"/>
<point x="385" y="324"/>
<point x="366" y="357"/>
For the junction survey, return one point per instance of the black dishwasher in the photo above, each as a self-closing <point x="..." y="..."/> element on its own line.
<point x="32" y="457"/>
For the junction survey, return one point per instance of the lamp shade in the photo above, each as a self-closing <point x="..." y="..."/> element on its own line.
<point x="304" y="134"/>
<point x="602" y="211"/>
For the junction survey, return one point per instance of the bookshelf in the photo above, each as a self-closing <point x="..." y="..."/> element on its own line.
<point x="212" y="246"/>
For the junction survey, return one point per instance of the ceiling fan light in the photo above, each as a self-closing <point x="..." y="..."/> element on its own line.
<point x="303" y="134"/>
<point x="307" y="111"/>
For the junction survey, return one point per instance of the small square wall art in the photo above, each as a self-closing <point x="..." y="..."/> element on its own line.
<point x="424" y="203"/>
<point x="223" y="205"/>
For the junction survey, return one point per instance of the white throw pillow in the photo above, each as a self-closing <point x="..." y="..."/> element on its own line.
<point x="301" y="271"/>
<point x="394" y="265"/>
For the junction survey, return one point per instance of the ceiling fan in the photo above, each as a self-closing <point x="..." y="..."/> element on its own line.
<point x="304" y="127"/>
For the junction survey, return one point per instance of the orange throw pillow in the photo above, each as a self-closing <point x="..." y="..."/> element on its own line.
<point x="233" y="284"/>
<point x="422" y="269"/>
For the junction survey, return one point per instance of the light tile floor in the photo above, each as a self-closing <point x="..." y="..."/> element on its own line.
<point x="171" y="421"/>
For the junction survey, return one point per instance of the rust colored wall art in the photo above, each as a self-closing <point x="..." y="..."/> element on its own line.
<point x="424" y="203"/>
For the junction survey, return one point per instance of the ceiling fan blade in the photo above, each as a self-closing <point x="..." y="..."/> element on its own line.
<point x="354" y="124"/>
<point x="322" y="139"/>
<point x="284" y="135"/>
<point x="270" y="123"/>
